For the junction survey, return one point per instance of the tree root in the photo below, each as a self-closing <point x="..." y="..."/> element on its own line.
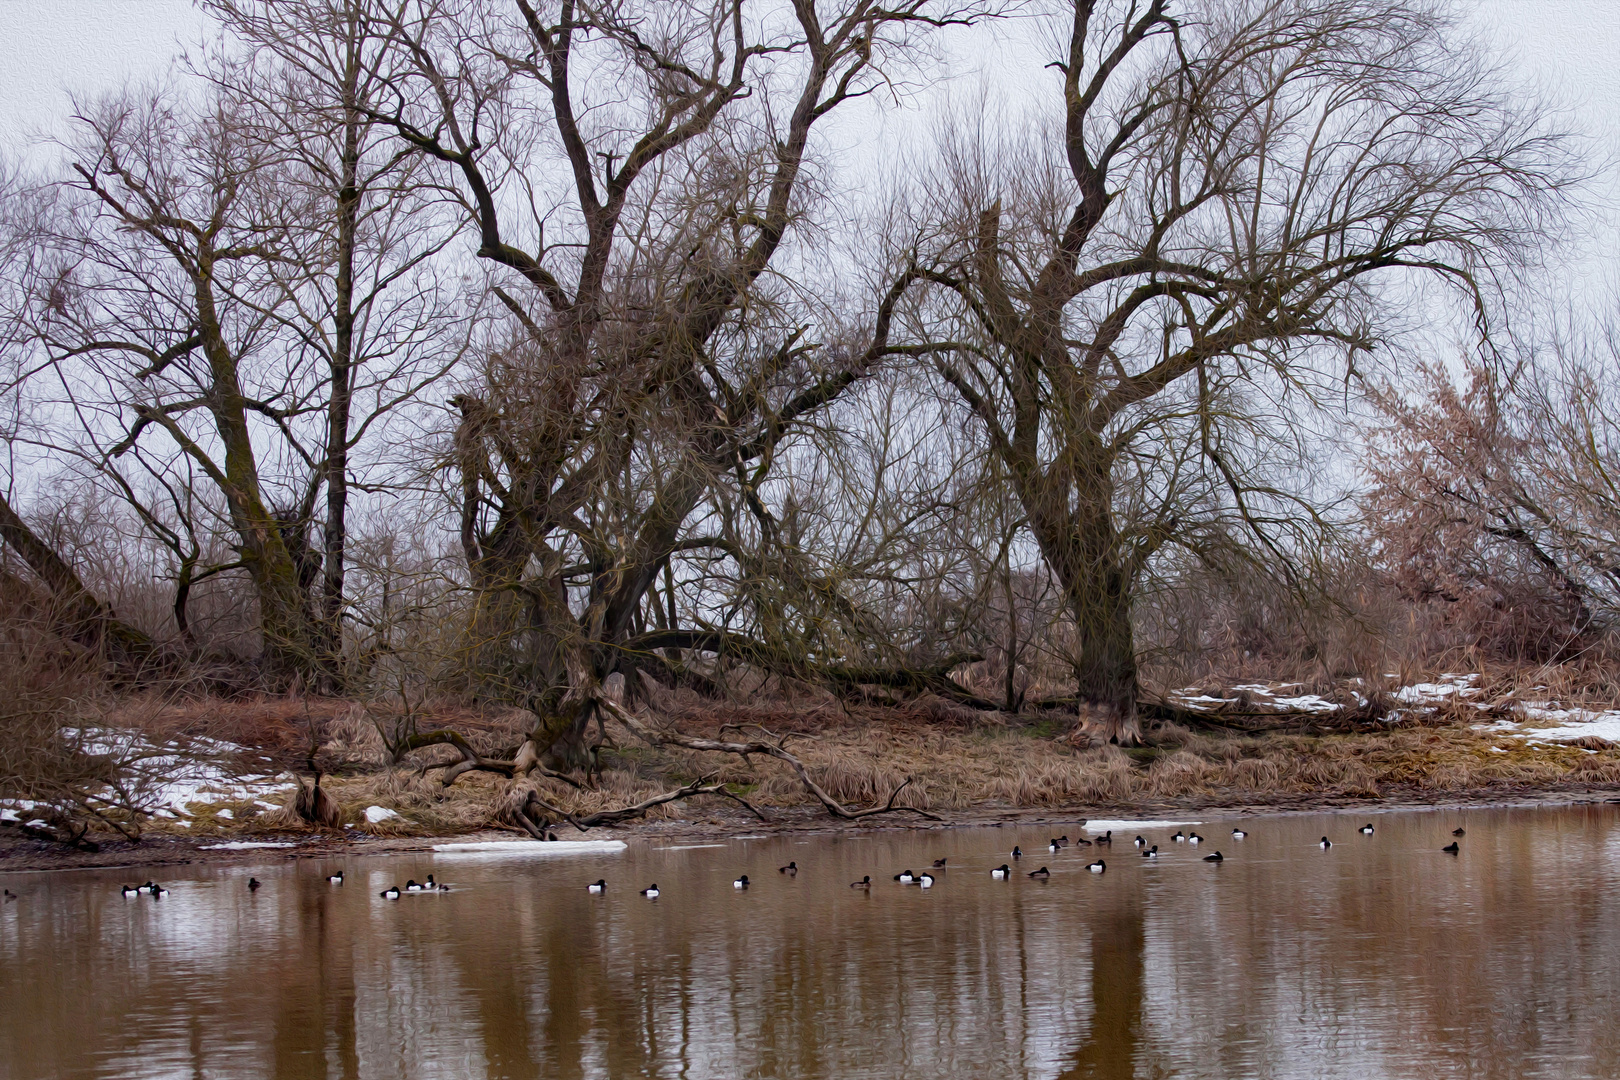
<point x="473" y="761"/>
<point x="524" y="815"/>
<point x="777" y="749"/>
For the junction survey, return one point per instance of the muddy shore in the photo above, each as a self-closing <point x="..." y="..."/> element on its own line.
<point x="20" y="855"/>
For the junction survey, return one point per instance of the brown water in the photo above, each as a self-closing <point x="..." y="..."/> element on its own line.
<point x="1382" y="957"/>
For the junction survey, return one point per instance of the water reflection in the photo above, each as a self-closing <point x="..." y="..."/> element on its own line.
<point x="1382" y="957"/>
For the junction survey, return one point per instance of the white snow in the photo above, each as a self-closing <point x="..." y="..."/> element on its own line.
<point x="244" y="845"/>
<point x="1106" y="826"/>
<point x="1307" y="703"/>
<point x="529" y="847"/>
<point x="376" y="814"/>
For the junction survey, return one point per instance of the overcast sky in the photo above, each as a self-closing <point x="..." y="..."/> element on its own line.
<point x="58" y="47"/>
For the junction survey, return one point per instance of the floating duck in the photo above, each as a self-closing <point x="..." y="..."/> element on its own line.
<point x="926" y="880"/>
<point x="904" y="877"/>
<point x="1139" y="842"/>
<point x="130" y="891"/>
<point x="1238" y="834"/>
<point x="1106" y="838"/>
<point x="1459" y="832"/>
<point x="1000" y="872"/>
<point x="1366" y="830"/>
<point x="1217" y="857"/>
<point x="597" y="886"/>
<point x="1324" y="843"/>
<point x="1194" y="839"/>
<point x="335" y="879"/>
<point x="253" y="884"/>
<point x="1151" y="853"/>
<point x="740" y="883"/>
<point x="791" y="869"/>
<point x="390" y="893"/>
<point x="1178" y="838"/>
<point x="157" y="890"/>
<point x="1451" y="848"/>
<point x="412" y="886"/>
<point x="1043" y="873"/>
<point x="864" y="883"/>
<point x="1018" y="852"/>
<point x="1097" y="867"/>
<point x="651" y="891"/>
<point x="939" y="864"/>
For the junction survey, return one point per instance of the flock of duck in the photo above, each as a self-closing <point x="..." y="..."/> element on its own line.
<point x="1057" y="844"/>
<point x="904" y="877"/>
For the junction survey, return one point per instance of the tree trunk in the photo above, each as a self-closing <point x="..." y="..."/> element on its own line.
<point x="78" y="613"/>
<point x="338" y="406"/>
<point x="1080" y="544"/>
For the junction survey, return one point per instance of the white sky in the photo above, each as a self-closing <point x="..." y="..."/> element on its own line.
<point x="54" y="48"/>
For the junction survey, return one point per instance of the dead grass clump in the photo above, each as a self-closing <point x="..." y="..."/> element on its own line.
<point x="1180" y="773"/>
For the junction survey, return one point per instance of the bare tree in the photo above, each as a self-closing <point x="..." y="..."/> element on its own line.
<point x="654" y="357"/>
<point x="1231" y="200"/>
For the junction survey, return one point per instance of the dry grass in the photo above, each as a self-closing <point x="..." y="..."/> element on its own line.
<point x="861" y="754"/>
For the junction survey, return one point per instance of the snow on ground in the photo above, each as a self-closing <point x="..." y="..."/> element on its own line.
<point x="244" y="845"/>
<point x="377" y="814"/>
<point x="168" y="779"/>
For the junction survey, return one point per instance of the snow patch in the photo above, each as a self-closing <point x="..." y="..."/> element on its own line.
<point x="529" y="847"/>
<point x="245" y="845"/>
<point x="378" y="814"/>
<point x="1108" y="826"/>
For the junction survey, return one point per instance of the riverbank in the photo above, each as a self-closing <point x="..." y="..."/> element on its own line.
<point x="223" y="802"/>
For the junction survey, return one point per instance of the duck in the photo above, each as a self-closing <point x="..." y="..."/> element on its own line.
<point x="1238" y="834"/>
<point x="1324" y="843"/>
<point x="904" y="877"/>
<point x="651" y="891"/>
<point x="1018" y="852"/>
<point x="1106" y="838"/>
<point x="1178" y="838"/>
<point x="597" y="886"/>
<point x="10" y="896"/>
<point x="926" y="880"/>
<point x="130" y="891"/>
<point x="253" y="884"/>
<point x="157" y="890"/>
<point x="390" y="893"/>
<point x="1151" y="853"/>
<point x="1097" y="867"/>
<point x="1451" y="848"/>
<point x="740" y="883"/>
<point x="939" y="864"/>
<point x="791" y="869"/>
<point x="432" y="886"/>
<point x="413" y="886"/>
<point x="1054" y="846"/>
<point x="335" y="879"/>
<point x="1043" y="873"/>
<point x="1083" y="842"/>
<point x="1366" y="830"/>
<point x="1000" y="872"/>
<point x="1217" y="857"/>
<point x="1194" y="839"/>
<point x="1459" y="831"/>
<point x="864" y="883"/>
<point x="1139" y="842"/>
